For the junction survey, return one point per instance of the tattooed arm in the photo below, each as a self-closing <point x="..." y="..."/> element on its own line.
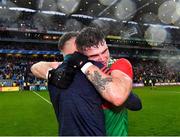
<point x="115" y="88"/>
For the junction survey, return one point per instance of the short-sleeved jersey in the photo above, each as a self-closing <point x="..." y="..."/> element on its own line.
<point x="116" y="118"/>
<point x="78" y="108"/>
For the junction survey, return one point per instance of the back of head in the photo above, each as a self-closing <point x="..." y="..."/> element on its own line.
<point x="65" y="37"/>
<point x="89" y="37"/>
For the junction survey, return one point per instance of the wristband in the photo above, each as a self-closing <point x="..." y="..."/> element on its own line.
<point x="86" y="66"/>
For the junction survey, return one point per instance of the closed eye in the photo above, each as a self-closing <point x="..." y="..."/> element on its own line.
<point x="96" y="55"/>
<point x="104" y="51"/>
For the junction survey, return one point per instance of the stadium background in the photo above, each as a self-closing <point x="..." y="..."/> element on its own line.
<point x="147" y="32"/>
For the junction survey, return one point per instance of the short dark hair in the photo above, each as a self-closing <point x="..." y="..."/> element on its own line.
<point x="65" y="37"/>
<point x="89" y="37"/>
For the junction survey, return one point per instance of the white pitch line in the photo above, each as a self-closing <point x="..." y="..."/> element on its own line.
<point x="43" y="98"/>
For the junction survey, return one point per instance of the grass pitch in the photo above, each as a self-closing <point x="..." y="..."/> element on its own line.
<point x="160" y="115"/>
<point x="26" y="114"/>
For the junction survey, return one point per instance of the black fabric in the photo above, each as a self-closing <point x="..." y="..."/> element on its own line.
<point x="133" y="102"/>
<point x="78" y="108"/>
<point x="77" y="60"/>
<point x="63" y="74"/>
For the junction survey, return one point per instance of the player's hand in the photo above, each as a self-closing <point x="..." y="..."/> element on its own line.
<point x="77" y="60"/>
<point x="62" y="76"/>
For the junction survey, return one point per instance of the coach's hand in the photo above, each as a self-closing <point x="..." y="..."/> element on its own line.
<point x="62" y="76"/>
<point x="77" y="60"/>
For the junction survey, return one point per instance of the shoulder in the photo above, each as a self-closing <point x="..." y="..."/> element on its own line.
<point x="124" y="66"/>
<point x="120" y="63"/>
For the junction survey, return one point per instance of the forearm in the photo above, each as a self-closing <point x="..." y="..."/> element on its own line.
<point x="114" y="89"/>
<point x="40" y="69"/>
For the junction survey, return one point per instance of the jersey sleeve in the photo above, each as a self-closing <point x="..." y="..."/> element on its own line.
<point x="123" y="65"/>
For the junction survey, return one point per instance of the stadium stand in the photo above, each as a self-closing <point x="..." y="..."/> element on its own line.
<point x="28" y="37"/>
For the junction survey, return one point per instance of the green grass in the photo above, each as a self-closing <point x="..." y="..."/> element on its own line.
<point x="160" y="115"/>
<point x="26" y="114"/>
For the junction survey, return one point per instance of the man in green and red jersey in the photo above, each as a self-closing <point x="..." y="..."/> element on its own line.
<point x="114" y="87"/>
<point x="116" y="118"/>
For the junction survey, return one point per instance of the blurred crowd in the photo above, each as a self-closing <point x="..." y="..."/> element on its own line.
<point x="156" y="71"/>
<point x="16" y="71"/>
